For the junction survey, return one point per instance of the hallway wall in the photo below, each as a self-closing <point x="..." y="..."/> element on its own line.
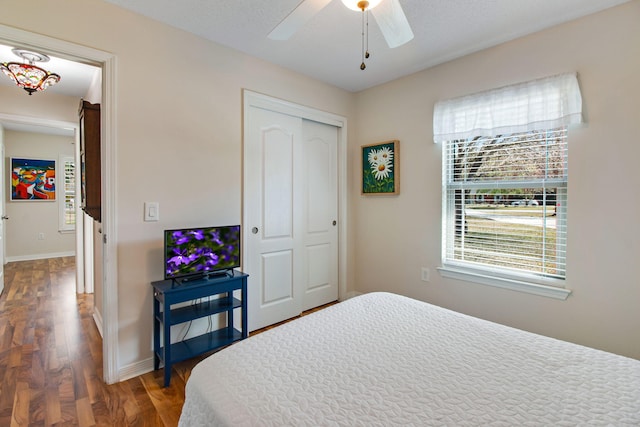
<point x="32" y="230"/>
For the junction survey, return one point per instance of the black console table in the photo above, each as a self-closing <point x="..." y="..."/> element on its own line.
<point x="167" y="293"/>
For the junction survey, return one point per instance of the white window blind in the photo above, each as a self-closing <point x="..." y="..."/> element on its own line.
<point x="506" y="202"/>
<point x="505" y="180"/>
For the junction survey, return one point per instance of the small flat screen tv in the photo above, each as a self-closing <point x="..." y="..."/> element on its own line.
<point x="201" y="252"/>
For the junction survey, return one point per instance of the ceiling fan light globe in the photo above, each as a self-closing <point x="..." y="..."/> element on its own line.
<point x="354" y="4"/>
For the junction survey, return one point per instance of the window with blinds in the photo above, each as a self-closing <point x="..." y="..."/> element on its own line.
<point x="505" y="202"/>
<point x="68" y="205"/>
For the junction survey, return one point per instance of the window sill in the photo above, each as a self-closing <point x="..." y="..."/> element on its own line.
<point x="66" y="231"/>
<point x="514" y="284"/>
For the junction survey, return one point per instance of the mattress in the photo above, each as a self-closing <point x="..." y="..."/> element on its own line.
<point x="382" y="359"/>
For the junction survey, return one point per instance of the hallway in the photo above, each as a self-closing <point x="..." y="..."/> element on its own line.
<point x="51" y="358"/>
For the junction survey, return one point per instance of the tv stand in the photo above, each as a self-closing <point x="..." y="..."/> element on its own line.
<point x="166" y="294"/>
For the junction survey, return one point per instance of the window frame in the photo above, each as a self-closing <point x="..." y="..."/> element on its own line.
<point x="63" y="225"/>
<point x="498" y="276"/>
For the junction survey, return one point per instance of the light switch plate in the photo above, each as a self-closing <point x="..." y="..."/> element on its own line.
<point x="151" y="211"/>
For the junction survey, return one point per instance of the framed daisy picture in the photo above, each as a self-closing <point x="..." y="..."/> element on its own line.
<point x="381" y="168"/>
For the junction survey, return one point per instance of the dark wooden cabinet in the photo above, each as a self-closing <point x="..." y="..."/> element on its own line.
<point x="90" y="159"/>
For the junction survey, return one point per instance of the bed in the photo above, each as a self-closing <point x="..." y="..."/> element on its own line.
<point x="381" y="359"/>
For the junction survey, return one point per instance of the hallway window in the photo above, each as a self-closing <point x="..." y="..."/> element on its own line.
<point x="68" y="190"/>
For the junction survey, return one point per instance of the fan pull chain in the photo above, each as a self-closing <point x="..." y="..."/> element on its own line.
<point x="366" y="53"/>
<point x="364" y="5"/>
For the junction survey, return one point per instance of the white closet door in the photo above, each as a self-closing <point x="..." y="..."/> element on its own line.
<point x="290" y="203"/>
<point x="320" y="214"/>
<point x="270" y="159"/>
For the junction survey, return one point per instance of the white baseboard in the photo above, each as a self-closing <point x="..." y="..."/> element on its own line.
<point x="97" y="317"/>
<point x="352" y="294"/>
<point x="130" y="371"/>
<point x="39" y="256"/>
<point x="135" y="369"/>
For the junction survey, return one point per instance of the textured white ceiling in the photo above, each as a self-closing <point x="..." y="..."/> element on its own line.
<point x="328" y="46"/>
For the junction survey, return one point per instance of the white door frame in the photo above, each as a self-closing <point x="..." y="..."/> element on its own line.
<point x="107" y="61"/>
<point x="3" y="212"/>
<point x="254" y="99"/>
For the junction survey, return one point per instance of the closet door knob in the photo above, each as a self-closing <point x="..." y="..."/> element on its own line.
<point x="254" y="230"/>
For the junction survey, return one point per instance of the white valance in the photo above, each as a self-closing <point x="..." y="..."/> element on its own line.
<point x="546" y="103"/>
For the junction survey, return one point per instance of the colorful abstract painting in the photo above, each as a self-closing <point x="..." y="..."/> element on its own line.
<point x="380" y="168"/>
<point x="33" y="179"/>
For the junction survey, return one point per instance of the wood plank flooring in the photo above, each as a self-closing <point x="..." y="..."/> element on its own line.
<point x="51" y="358"/>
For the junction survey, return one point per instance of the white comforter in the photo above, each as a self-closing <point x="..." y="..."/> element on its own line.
<point x="381" y="359"/>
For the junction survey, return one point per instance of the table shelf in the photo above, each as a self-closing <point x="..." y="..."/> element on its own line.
<point x="168" y="293"/>
<point x="183" y="350"/>
<point x="202" y="309"/>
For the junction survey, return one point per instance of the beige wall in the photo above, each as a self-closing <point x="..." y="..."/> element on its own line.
<point x="178" y="141"/>
<point x="396" y="236"/>
<point x="49" y="106"/>
<point x="29" y="219"/>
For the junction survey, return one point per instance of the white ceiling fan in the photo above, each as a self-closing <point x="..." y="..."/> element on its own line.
<point x="388" y="14"/>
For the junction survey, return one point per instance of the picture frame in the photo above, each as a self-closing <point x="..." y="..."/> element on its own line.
<point x="32" y="179"/>
<point x="381" y="168"/>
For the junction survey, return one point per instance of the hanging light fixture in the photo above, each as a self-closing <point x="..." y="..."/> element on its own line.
<point x="365" y="6"/>
<point x="27" y="75"/>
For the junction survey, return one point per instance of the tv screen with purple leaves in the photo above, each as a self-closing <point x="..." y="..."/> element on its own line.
<point x="192" y="253"/>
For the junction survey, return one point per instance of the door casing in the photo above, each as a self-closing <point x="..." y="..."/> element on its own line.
<point x="107" y="61"/>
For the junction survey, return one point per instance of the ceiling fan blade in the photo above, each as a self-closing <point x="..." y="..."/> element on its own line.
<point x="297" y="18"/>
<point x="393" y="23"/>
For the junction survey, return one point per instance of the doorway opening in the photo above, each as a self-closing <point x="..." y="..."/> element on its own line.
<point x="108" y="308"/>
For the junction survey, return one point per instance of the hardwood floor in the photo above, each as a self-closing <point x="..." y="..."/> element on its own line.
<point x="51" y="358"/>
